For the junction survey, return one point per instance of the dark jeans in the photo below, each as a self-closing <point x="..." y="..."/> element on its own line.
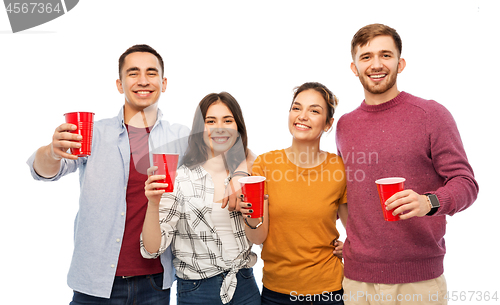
<point x="137" y="290"/>
<point x="206" y="291"/>
<point x="270" y="297"/>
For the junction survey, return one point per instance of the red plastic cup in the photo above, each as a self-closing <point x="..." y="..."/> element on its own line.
<point x="386" y="188"/>
<point x="253" y="189"/>
<point x="84" y="122"/>
<point x="167" y="165"/>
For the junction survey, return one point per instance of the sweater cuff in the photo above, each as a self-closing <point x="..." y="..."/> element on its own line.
<point x="444" y="203"/>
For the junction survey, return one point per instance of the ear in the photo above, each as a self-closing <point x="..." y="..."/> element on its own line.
<point x="329" y="125"/>
<point x="354" y="69"/>
<point x="119" y="86"/>
<point x="401" y="65"/>
<point x="164" y="84"/>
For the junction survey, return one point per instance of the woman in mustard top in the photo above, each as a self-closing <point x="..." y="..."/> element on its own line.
<point x="307" y="190"/>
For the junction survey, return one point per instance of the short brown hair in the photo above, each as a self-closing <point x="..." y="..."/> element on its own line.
<point x="367" y="33"/>
<point x="139" y="48"/>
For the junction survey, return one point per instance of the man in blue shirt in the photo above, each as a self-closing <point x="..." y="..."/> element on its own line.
<point x="107" y="267"/>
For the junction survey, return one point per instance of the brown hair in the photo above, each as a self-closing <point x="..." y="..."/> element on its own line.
<point x="367" y="33"/>
<point x="138" y="48"/>
<point x="330" y="98"/>
<point x="197" y="151"/>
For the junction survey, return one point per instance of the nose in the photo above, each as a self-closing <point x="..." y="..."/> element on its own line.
<point x="303" y="115"/>
<point x="217" y="128"/>
<point x="377" y="63"/>
<point x="143" y="80"/>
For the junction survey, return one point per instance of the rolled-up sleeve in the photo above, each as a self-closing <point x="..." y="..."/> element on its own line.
<point x="170" y="211"/>
<point x="67" y="166"/>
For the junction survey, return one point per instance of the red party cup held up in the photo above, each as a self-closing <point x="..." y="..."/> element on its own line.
<point x="84" y="122"/>
<point x="386" y="188"/>
<point x="253" y="189"/>
<point x="167" y="165"/>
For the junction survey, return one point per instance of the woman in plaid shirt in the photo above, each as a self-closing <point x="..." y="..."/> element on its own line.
<point x="213" y="257"/>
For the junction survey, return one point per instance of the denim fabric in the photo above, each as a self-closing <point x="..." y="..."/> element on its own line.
<point x="206" y="291"/>
<point x="270" y="297"/>
<point x="137" y="290"/>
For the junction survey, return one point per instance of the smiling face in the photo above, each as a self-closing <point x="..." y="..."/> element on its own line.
<point x="141" y="81"/>
<point x="377" y="65"/>
<point x="221" y="130"/>
<point x="307" y="119"/>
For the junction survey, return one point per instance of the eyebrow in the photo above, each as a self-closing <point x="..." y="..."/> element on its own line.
<point x="380" y="52"/>
<point x="225" y="117"/>
<point x="313" y="105"/>
<point x="137" y="69"/>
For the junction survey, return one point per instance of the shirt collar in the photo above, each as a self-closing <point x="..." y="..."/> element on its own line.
<point x="121" y="117"/>
<point x="199" y="172"/>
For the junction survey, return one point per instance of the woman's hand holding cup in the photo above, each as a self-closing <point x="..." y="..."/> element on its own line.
<point x="153" y="189"/>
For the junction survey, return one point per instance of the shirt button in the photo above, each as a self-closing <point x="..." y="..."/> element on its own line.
<point x="123" y="214"/>
<point x="113" y="265"/>
<point x="117" y="240"/>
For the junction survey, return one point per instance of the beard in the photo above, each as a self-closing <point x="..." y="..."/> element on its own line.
<point x="380" y="87"/>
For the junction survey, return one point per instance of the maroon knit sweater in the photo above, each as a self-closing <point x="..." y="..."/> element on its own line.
<point x="405" y="137"/>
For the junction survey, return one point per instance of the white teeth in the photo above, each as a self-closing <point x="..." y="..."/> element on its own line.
<point x="378" y="76"/>
<point x="301" y="126"/>
<point x="142" y="92"/>
<point x="220" y="140"/>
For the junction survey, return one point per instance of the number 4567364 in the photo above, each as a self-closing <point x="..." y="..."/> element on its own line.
<point x="471" y="295"/>
<point x="33" y="8"/>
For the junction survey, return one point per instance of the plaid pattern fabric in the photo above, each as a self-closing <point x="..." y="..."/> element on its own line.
<point x="186" y="222"/>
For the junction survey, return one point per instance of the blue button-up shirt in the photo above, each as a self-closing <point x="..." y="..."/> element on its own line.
<point x="100" y="222"/>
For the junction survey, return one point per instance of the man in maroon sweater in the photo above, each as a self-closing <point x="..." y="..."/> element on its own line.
<point x="395" y="134"/>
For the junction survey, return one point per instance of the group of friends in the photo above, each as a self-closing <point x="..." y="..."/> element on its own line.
<point x="132" y="239"/>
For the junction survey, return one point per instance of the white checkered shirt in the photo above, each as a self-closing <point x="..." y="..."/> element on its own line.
<point x="186" y="222"/>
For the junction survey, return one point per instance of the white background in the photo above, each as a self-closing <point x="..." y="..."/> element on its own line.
<point x="258" y="51"/>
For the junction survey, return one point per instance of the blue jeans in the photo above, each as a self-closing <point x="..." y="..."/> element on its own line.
<point x="207" y="291"/>
<point x="270" y="297"/>
<point x="137" y="290"/>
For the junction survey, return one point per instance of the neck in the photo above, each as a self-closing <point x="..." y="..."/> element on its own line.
<point x="305" y="154"/>
<point x="140" y="118"/>
<point x="380" y="98"/>
<point x="214" y="164"/>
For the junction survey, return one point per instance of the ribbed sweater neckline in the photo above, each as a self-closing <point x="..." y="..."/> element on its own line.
<point x="384" y="106"/>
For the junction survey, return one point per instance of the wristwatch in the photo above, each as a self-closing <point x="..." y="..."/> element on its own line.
<point x="433" y="200"/>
